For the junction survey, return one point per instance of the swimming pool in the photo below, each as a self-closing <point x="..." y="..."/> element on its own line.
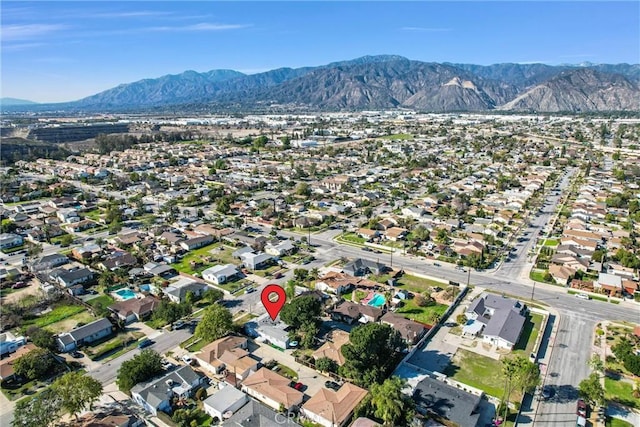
<point x="126" y="294"/>
<point x="377" y="301"/>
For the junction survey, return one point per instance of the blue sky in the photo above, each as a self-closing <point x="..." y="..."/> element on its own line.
<point x="60" y="51"/>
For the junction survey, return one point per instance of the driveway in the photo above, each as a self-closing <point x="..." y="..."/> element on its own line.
<point x="309" y="377"/>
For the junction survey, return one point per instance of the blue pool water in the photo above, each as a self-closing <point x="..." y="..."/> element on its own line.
<point x="376" y="301"/>
<point x="126" y="294"/>
<point x="145" y="288"/>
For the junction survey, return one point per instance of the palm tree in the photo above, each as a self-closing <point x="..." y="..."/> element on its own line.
<point x="388" y="400"/>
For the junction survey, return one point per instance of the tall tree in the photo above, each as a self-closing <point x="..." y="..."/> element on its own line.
<point x="77" y="392"/>
<point x="591" y="390"/>
<point x="43" y="338"/>
<point x="301" y="310"/>
<point x="40" y="411"/>
<point x="370" y="354"/>
<point x="216" y="323"/>
<point x="37" y="363"/>
<point x="142" y="367"/>
<point x="390" y="404"/>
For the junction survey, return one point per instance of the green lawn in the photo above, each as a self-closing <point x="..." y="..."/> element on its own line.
<point x="287" y="372"/>
<point x="417" y="284"/>
<point x="71" y="322"/>
<point x="551" y="242"/>
<point x="529" y="335"/>
<point x="103" y="301"/>
<point x="208" y="255"/>
<point x="537" y="275"/>
<point x="57" y="314"/>
<point x="396" y="136"/>
<point x="479" y="371"/>
<point x="240" y="321"/>
<point x="616" y="422"/>
<point x="124" y="341"/>
<point x="351" y="238"/>
<point x="621" y="391"/>
<point x="421" y="314"/>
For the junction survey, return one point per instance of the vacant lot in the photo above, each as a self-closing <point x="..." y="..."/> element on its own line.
<point x="207" y="256"/>
<point x="480" y="372"/>
<point x="430" y="314"/>
<point x="71" y="322"/>
<point x="58" y="313"/>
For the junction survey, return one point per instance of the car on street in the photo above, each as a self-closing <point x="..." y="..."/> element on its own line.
<point x="178" y="324"/>
<point x="332" y="385"/>
<point x="278" y="275"/>
<point x="249" y="290"/>
<point x="581" y="408"/>
<point x="583" y="296"/>
<point x="145" y="343"/>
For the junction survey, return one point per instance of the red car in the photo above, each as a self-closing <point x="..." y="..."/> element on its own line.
<point x="298" y="386"/>
<point x="581" y="408"/>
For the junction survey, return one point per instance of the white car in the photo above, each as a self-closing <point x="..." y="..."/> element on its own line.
<point x="583" y="296"/>
<point x="187" y="359"/>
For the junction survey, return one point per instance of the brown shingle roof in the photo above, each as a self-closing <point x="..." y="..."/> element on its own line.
<point x="335" y="406"/>
<point x="273" y="386"/>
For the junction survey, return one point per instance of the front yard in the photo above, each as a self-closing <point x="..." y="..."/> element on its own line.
<point x="621" y="391"/>
<point x="123" y="341"/>
<point x="413" y="283"/>
<point x="351" y="238"/>
<point x="530" y="332"/>
<point x="430" y="314"/>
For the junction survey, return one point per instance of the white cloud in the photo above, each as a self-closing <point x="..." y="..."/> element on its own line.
<point x="28" y="31"/>
<point x="204" y="26"/>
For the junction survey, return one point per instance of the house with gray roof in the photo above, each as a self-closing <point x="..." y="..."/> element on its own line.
<point x="48" y="262"/>
<point x="86" y="334"/>
<point x="156" y="394"/>
<point x="267" y="330"/>
<point x="498" y="319"/>
<point x="224" y="402"/>
<point x="435" y="397"/>
<point x="363" y="267"/>
<point x="253" y="261"/>
<point x="76" y="276"/>
<point x="255" y="414"/>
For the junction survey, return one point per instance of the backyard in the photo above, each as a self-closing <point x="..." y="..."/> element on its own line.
<point x="430" y="314"/>
<point x="530" y="332"/>
<point x="207" y="256"/>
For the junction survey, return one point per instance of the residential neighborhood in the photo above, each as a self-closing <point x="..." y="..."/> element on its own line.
<point x="476" y="270"/>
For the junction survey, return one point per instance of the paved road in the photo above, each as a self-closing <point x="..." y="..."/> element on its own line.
<point x="106" y="373"/>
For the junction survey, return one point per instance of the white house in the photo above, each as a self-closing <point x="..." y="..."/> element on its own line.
<point x="225" y="402"/>
<point x="220" y="274"/>
<point x="9" y="343"/>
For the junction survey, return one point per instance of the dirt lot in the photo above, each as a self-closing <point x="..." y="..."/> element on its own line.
<point x="32" y="289"/>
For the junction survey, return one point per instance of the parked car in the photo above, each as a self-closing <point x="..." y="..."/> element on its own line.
<point x="76" y="354"/>
<point x="332" y="385"/>
<point x="298" y="386"/>
<point x="583" y="296"/>
<point x="278" y="275"/>
<point x="19" y="285"/>
<point x="581" y="408"/>
<point x="547" y="392"/>
<point x="249" y="290"/>
<point x="178" y="324"/>
<point x="187" y="359"/>
<point x="145" y="343"/>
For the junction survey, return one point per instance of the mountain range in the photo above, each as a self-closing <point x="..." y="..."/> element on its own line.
<point x="386" y="81"/>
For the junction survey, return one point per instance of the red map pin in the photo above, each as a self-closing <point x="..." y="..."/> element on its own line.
<point x="273" y="298"/>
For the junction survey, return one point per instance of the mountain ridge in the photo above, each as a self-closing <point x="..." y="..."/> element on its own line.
<point x="387" y="81"/>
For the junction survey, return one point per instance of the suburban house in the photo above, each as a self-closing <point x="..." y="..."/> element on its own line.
<point x="196" y="242"/>
<point x="135" y="310"/>
<point x="336" y="283"/>
<point x="333" y="408"/>
<point x="238" y="361"/>
<point x="48" y="262"/>
<point x="368" y="234"/>
<point x="118" y="259"/>
<point x="86" y="334"/>
<point x="609" y="282"/>
<point x="7" y="371"/>
<point x="269" y="331"/>
<point x="499" y="320"/>
<point x="445" y="401"/>
<point x="410" y="331"/>
<point x="224" y="403"/>
<point x="272" y="389"/>
<point x="561" y="274"/>
<point x="209" y="356"/>
<point x="177" y="291"/>
<point x="156" y="395"/>
<point x="220" y="274"/>
<point x="10" y="343"/>
<point x="362" y="267"/>
<point x="77" y="276"/>
<point x="286" y="247"/>
<point x="10" y="240"/>
<point x="255" y="414"/>
<point x="253" y="261"/>
<point x="331" y="348"/>
<point x="349" y="312"/>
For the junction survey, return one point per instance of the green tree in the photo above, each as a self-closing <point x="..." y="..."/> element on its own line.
<point x="596" y="364"/>
<point x="41" y="411"/>
<point x="520" y="374"/>
<point x="309" y="330"/>
<point x="301" y="310"/>
<point x="300" y="274"/>
<point x="77" y="392"/>
<point x="169" y="312"/>
<point x="43" y="338"/>
<point x="390" y="404"/>
<point x="303" y="189"/>
<point x="325" y="364"/>
<point x="591" y="390"/>
<point x="216" y="323"/>
<point x="371" y="353"/>
<point x="142" y="367"/>
<point x="212" y="295"/>
<point x="37" y="363"/>
<point x="66" y="240"/>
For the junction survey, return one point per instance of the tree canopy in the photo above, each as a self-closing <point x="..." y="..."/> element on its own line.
<point x="390" y="404"/>
<point x="370" y="354"/>
<point x="41" y="411"/>
<point x="301" y="310"/>
<point x="142" y="367"/>
<point x="77" y="392"/>
<point x="36" y="364"/>
<point x="43" y="338"/>
<point x="591" y="390"/>
<point x="216" y="323"/>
